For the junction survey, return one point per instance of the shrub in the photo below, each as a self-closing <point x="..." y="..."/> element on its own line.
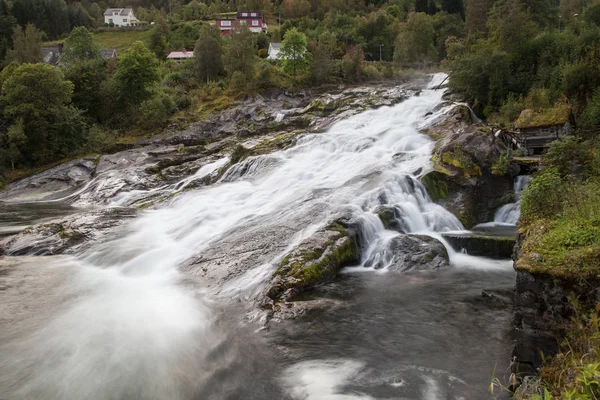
<point x="154" y="113"/>
<point x="266" y="75"/>
<point x="238" y="82"/>
<point x="99" y="140"/>
<point x="572" y="156"/>
<point x="542" y="199"/>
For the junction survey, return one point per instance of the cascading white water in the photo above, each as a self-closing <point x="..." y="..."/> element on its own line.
<point x="510" y="213"/>
<point x="138" y="327"/>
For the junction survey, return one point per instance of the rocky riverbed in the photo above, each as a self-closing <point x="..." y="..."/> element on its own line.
<point x="254" y="215"/>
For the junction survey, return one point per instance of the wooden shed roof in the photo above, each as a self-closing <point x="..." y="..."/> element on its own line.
<point x="558" y="115"/>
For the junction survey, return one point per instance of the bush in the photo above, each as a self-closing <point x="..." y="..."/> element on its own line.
<point x="266" y="75"/>
<point x="371" y="72"/>
<point x="542" y="199"/>
<point x="572" y="156"/>
<point x="154" y="113"/>
<point x="99" y="140"/>
<point x="238" y="82"/>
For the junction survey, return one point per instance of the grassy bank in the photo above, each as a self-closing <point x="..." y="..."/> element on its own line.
<point x="120" y="40"/>
<point x="560" y="223"/>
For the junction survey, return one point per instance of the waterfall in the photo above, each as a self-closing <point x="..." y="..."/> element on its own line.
<point x="140" y="326"/>
<point x="510" y="213"/>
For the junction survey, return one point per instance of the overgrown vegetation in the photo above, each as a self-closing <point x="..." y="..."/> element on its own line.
<point x="561" y="212"/>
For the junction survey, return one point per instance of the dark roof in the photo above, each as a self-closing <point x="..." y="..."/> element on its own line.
<point x="558" y="115"/>
<point x="50" y="55"/>
<point x="108" y="53"/>
<point x="121" y="11"/>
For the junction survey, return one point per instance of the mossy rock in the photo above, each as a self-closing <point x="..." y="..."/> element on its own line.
<point x="438" y="185"/>
<point x="316" y="260"/>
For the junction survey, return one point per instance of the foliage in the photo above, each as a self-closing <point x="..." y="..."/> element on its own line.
<point x="415" y="43"/>
<point x="208" y="54"/>
<point x="293" y="52"/>
<point x="137" y="74"/>
<point x="43" y="124"/>
<point x="27" y="45"/>
<point x="240" y="55"/>
<point x="80" y="46"/>
<point x="352" y="64"/>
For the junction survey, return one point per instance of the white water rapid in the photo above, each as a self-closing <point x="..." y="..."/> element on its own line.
<point x="139" y="328"/>
<point x="510" y="213"/>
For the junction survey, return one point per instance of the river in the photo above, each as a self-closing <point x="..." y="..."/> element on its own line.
<point x="123" y="320"/>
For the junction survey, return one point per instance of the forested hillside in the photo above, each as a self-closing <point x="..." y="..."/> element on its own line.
<point x="503" y="56"/>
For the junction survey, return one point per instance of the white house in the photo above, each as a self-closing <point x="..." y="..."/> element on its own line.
<point x="120" y="16"/>
<point x="274" y="49"/>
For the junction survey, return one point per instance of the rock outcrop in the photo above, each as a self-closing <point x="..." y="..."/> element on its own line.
<point x="466" y="179"/>
<point x="316" y="260"/>
<point x="67" y="235"/>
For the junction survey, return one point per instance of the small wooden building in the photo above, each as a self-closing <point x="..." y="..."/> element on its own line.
<point x="538" y="128"/>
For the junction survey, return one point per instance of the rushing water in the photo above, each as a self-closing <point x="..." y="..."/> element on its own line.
<point x="510" y="213"/>
<point x="132" y="325"/>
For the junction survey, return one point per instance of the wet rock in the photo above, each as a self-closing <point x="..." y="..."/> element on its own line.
<point x="52" y="183"/>
<point x="389" y="217"/>
<point x="463" y="179"/>
<point x="482" y="245"/>
<point x="417" y="252"/>
<point x="316" y="260"/>
<point x="68" y="234"/>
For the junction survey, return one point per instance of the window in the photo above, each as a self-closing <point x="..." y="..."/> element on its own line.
<point x="253" y="15"/>
<point x="255" y="23"/>
<point x="124" y="19"/>
<point x="244" y="22"/>
<point x="225" y="23"/>
<point x="110" y="20"/>
<point x="244" y="14"/>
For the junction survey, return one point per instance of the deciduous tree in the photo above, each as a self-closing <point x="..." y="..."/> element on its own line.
<point x="208" y="54"/>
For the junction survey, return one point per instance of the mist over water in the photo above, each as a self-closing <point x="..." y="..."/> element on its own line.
<point x="136" y="327"/>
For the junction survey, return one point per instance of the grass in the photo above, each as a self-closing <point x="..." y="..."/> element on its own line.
<point x="120" y="40"/>
<point x="574" y="373"/>
<point x="566" y="245"/>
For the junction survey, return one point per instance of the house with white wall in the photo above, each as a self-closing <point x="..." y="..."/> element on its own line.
<point x="120" y="16"/>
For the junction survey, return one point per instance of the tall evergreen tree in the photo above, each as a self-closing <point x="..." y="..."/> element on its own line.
<point x="27" y="45"/>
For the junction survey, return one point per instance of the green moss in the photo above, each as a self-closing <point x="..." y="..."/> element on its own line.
<point x="558" y="115"/>
<point x="437" y="186"/>
<point x="461" y="160"/>
<point x="240" y="153"/>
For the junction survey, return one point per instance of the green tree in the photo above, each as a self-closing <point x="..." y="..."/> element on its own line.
<point x="241" y="53"/>
<point x="137" y="75"/>
<point x="159" y="39"/>
<point x="80" y="46"/>
<point x="476" y="14"/>
<point x="322" y="65"/>
<point x="453" y="7"/>
<point x="7" y="26"/>
<point x="83" y="64"/>
<point x="27" y="46"/>
<point x="37" y="102"/>
<point x="208" y="54"/>
<point x="504" y="17"/>
<point x="415" y="43"/>
<point x="293" y="53"/>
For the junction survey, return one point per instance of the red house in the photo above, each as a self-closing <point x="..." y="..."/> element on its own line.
<point x="254" y="20"/>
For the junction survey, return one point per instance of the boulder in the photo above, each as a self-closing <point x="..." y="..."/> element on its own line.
<point x="417" y="252"/>
<point x="316" y="260"/>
